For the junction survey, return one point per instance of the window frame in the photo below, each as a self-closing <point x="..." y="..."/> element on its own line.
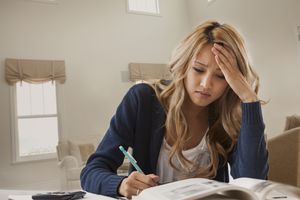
<point x="16" y="158"/>
<point x="143" y="12"/>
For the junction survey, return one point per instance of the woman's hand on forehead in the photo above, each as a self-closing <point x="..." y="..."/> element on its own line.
<point x="227" y="62"/>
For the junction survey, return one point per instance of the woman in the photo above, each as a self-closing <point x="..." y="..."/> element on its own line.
<point x="208" y="115"/>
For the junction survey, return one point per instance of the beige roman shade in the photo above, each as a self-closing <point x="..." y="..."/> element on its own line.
<point x="34" y="71"/>
<point x="148" y="71"/>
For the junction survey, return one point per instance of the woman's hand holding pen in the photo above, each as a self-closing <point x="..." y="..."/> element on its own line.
<point x="228" y="64"/>
<point x="136" y="182"/>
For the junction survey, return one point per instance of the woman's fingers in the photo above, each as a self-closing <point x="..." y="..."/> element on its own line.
<point x="154" y="177"/>
<point x="225" y="63"/>
<point x="148" y="180"/>
<point x="137" y="182"/>
<point x="228" y="54"/>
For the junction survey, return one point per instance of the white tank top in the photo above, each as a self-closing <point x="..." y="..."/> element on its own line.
<point x="199" y="155"/>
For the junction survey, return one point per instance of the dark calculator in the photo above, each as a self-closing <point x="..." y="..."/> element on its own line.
<point x="59" y="195"/>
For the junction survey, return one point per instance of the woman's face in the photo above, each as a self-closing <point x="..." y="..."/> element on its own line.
<point x="205" y="81"/>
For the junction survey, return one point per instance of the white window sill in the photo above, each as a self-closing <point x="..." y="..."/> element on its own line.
<point x="35" y="158"/>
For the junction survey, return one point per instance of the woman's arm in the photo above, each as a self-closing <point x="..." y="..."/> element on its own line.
<point x="99" y="176"/>
<point x="250" y="157"/>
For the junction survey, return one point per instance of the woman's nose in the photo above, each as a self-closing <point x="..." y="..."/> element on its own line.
<point x="206" y="81"/>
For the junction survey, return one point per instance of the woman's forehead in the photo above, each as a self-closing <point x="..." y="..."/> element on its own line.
<point x="204" y="55"/>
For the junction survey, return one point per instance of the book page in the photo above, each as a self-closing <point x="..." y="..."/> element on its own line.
<point x="195" y="188"/>
<point x="268" y="190"/>
<point x="246" y="182"/>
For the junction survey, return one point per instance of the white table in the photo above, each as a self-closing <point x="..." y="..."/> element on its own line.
<point x="26" y="195"/>
<point x="4" y="193"/>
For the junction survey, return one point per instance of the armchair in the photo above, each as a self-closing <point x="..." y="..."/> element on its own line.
<point x="284" y="155"/>
<point x="71" y="159"/>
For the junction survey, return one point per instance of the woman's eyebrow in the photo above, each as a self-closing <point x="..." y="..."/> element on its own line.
<point x="200" y="63"/>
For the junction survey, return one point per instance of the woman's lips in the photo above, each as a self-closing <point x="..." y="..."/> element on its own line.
<point x="203" y="94"/>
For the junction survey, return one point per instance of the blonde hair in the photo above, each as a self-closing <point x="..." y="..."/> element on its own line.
<point x="225" y="113"/>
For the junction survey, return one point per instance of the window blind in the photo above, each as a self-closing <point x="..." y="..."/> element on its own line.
<point x="34" y="71"/>
<point x="148" y="71"/>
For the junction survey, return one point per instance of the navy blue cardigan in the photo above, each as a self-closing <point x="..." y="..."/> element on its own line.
<point x="139" y="123"/>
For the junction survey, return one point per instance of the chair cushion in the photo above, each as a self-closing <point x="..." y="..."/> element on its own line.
<point x="81" y="151"/>
<point x="85" y="151"/>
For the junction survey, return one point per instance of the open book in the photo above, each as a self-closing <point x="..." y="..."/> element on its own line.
<point x="241" y="188"/>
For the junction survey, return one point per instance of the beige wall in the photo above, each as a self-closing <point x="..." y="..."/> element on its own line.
<point x="97" y="39"/>
<point x="269" y="27"/>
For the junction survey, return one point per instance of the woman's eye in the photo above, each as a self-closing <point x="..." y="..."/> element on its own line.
<point x="199" y="70"/>
<point x="220" y="76"/>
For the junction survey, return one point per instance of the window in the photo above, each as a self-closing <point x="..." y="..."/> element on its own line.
<point x="35" y="121"/>
<point x="143" y="7"/>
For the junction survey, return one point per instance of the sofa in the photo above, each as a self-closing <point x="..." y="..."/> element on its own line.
<point x="284" y="153"/>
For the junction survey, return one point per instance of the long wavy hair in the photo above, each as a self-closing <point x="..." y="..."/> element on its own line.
<point x="224" y="113"/>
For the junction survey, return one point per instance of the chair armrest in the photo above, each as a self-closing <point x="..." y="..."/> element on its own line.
<point x="284" y="157"/>
<point x="69" y="162"/>
<point x="73" y="174"/>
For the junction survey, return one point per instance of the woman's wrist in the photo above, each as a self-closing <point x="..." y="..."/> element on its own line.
<point x="120" y="188"/>
<point x="250" y="98"/>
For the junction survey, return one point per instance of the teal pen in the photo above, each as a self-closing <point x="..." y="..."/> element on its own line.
<point x="131" y="159"/>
